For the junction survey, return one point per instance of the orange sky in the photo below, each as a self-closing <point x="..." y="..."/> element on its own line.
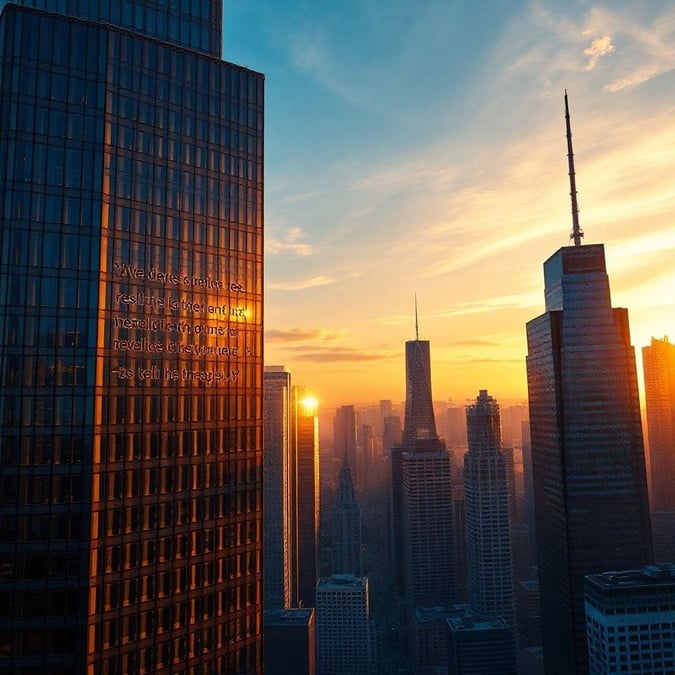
<point x="459" y="192"/>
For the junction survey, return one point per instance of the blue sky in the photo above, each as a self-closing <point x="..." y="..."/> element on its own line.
<point x="419" y="148"/>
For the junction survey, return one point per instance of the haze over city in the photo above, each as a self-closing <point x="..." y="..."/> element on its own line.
<point x="421" y="149"/>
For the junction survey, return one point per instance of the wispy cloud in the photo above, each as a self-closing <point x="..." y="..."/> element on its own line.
<point x="291" y="244"/>
<point x="303" y="335"/>
<point x="301" y="284"/>
<point x="599" y="47"/>
<point x="341" y="354"/>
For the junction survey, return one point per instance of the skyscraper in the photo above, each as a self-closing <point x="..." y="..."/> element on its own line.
<point x="631" y="620"/>
<point x="592" y="513"/>
<point x="131" y="179"/>
<point x="345" y="436"/>
<point x="277" y="477"/>
<point x="305" y="498"/>
<point x="422" y="517"/>
<point x="488" y="540"/>
<point x="346" y="527"/>
<point x="658" y="360"/>
<point x="345" y="639"/>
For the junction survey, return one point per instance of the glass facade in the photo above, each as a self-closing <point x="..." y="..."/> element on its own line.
<point x="592" y="512"/>
<point x="130" y="348"/>
<point x="193" y="24"/>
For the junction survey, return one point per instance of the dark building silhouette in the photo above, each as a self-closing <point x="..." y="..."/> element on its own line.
<point x="486" y="497"/>
<point x="345" y="441"/>
<point x="290" y="641"/>
<point x="346" y="527"/>
<point x="305" y="498"/>
<point x="422" y="516"/>
<point x="592" y="513"/>
<point x="131" y="180"/>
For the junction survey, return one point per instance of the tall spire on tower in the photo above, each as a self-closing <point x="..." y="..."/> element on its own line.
<point x="577" y="233"/>
<point x="417" y="326"/>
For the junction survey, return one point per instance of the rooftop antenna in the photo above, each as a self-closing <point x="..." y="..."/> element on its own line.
<point x="417" y="326"/>
<point x="577" y="233"/>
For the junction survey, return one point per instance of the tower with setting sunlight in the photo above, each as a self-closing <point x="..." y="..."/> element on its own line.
<point x="592" y="513"/>
<point x="131" y="184"/>
<point x="421" y="492"/>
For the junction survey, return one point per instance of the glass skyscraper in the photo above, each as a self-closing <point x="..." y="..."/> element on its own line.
<point x="590" y="488"/>
<point x="131" y="171"/>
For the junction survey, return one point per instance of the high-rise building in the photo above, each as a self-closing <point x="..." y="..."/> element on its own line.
<point x="658" y="361"/>
<point x="422" y="516"/>
<point x="277" y="477"/>
<point x="290" y="641"/>
<point x="346" y="527"/>
<point x="480" y="645"/>
<point x="486" y="497"/>
<point x="345" y="637"/>
<point x="305" y="498"/>
<point x="131" y="181"/>
<point x="631" y="620"/>
<point x="592" y="512"/>
<point x="344" y="433"/>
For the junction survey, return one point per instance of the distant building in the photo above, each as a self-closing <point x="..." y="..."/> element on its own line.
<point x="345" y="434"/>
<point x="658" y="361"/>
<point x="630" y="617"/>
<point x="422" y="494"/>
<point x="486" y="496"/>
<point x="290" y="641"/>
<point x="277" y="479"/>
<point x="345" y="633"/>
<point x="480" y="646"/>
<point x="430" y="637"/>
<point x="305" y="496"/>
<point x="529" y="612"/>
<point x="346" y="527"/>
<point x="592" y="510"/>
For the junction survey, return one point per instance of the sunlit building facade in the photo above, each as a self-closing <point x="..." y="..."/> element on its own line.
<point x="277" y="478"/>
<point x="305" y="498"/>
<point x="131" y="171"/>
<point x="592" y="512"/>
<point x="658" y="360"/>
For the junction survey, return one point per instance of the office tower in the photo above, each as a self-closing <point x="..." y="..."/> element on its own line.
<point x="455" y="422"/>
<point x="528" y="490"/>
<point x="386" y="409"/>
<point x="480" y="646"/>
<point x="131" y="174"/>
<point x="529" y="612"/>
<point x="592" y="512"/>
<point x="305" y="498"/>
<point x="658" y="361"/>
<point x="290" y="641"/>
<point x="430" y="637"/>
<point x="488" y="538"/>
<point x="391" y="434"/>
<point x="459" y="539"/>
<point x="344" y="436"/>
<point x="422" y="519"/>
<point x="277" y="476"/>
<point x="345" y="638"/>
<point x="346" y="527"/>
<point x="631" y="620"/>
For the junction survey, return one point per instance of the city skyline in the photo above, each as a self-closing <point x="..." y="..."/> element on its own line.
<point x="436" y="135"/>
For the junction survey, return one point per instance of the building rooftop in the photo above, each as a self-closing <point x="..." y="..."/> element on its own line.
<point x="285" y="617"/>
<point x="650" y="575"/>
<point x="340" y="582"/>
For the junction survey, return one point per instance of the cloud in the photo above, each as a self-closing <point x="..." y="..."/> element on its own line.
<point x="301" y="284"/>
<point x="340" y="354"/>
<point x="599" y="47"/>
<point x="290" y="243"/>
<point x="302" y="334"/>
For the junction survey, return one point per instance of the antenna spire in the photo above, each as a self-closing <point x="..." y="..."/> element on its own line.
<point x="577" y="233"/>
<point x="417" y="326"/>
